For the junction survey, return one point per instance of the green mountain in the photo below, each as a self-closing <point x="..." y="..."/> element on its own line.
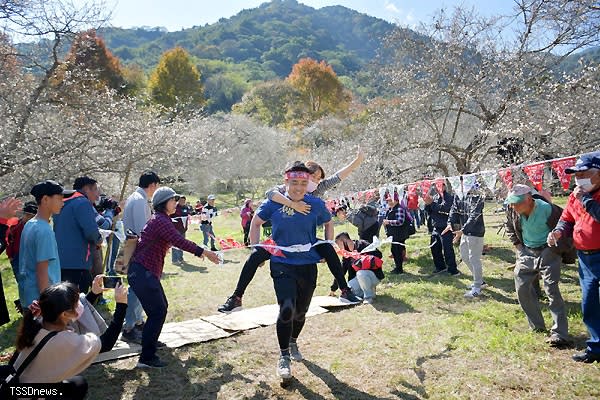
<point x="264" y="43"/>
<point x="270" y="38"/>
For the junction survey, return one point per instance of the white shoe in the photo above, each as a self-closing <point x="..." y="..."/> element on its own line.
<point x="368" y="300"/>
<point x="284" y="370"/>
<point x="483" y="285"/>
<point x="473" y="293"/>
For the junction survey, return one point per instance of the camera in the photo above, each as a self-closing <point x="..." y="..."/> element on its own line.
<point x="107" y="203"/>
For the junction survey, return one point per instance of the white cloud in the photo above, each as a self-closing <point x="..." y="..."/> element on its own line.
<point x="391" y="7"/>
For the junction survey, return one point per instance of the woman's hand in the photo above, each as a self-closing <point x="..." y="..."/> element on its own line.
<point x="301" y="207"/>
<point x="120" y="293"/>
<point x="211" y="255"/>
<point x="9" y="207"/>
<point x="98" y="284"/>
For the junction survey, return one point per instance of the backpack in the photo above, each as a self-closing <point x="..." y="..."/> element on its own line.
<point x="9" y="376"/>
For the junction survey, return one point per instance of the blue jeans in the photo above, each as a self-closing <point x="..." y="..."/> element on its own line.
<point x="207" y="231"/>
<point x="152" y="296"/>
<point x="110" y="268"/>
<point x="416" y="217"/>
<point x="177" y="254"/>
<point x="364" y="284"/>
<point x="589" y="278"/>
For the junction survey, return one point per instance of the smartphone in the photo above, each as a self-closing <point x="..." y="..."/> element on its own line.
<point x="111" y="281"/>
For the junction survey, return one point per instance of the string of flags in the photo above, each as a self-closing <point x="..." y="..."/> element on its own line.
<point x="462" y="184"/>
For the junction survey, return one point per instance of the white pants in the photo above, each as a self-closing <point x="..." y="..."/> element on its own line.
<point x="471" y="248"/>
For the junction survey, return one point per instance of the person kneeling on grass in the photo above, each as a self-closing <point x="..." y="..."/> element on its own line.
<point x="146" y="267"/>
<point x="67" y="353"/>
<point x="364" y="273"/>
<point x="294" y="274"/>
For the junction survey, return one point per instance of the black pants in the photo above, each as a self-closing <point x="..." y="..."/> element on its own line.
<point x="443" y="251"/>
<point x="398" y="253"/>
<point x="149" y="291"/>
<point x="246" y="233"/>
<point x="75" y="388"/>
<point x="260" y="255"/>
<point x="294" y="286"/>
<point x="79" y="277"/>
<point x="368" y="233"/>
<point x="4" y="317"/>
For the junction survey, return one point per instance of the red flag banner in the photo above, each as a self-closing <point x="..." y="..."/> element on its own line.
<point x="535" y="172"/>
<point x="439" y="185"/>
<point x="229" y="243"/>
<point x="412" y="189"/>
<point x="425" y="186"/>
<point x="559" y="167"/>
<point x="506" y="175"/>
<point x="271" y="248"/>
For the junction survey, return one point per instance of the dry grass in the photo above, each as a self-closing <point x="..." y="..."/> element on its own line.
<point x="420" y="340"/>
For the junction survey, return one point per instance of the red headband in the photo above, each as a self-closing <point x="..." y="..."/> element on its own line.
<point x="297" y="175"/>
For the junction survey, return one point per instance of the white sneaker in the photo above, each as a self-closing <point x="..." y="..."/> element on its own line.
<point x="473" y="293"/>
<point x="368" y="300"/>
<point x="294" y="352"/>
<point x="483" y="285"/>
<point x="284" y="370"/>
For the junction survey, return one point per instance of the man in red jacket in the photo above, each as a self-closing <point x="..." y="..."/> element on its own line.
<point x="14" y="235"/>
<point x="13" y="240"/>
<point x="581" y="219"/>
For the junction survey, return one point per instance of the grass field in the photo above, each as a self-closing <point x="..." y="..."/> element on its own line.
<point x="419" y="340"/>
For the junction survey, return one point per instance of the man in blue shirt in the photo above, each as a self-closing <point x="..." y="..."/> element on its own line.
<point x="77" y="234"/>
<point x="39" y="265"/>
<point x="295" y="273"/>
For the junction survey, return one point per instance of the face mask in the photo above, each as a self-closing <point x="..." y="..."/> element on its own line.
<point x="311" y="187"/>
<point x="584" y="183"/>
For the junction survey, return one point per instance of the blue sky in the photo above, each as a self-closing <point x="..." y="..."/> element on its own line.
<point x="178" y="14"/>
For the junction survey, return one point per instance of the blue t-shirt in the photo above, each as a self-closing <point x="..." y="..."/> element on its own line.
<point x="38" y="244"/>
<point x="293" y="228"/>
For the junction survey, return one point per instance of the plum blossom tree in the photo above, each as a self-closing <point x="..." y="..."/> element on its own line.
<point x="464" y="81"/>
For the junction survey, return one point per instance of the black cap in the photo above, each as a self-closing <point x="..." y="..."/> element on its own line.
<point x="49" y="188"/>
<point x="83" y="181"/>
<point x="30" y="207"/>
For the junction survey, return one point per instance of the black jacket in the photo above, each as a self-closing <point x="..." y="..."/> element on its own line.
<point x="468" y="215"/>
<point x="365" y="220"/>
<point x="439" y="210"/>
